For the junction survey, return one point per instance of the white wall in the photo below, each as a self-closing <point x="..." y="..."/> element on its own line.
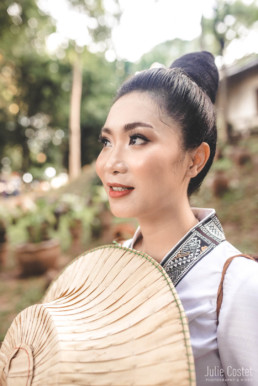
<point x="242" y="102"/>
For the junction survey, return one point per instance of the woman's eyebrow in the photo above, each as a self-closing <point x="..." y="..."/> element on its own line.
<point x="105" y="130"/>
<point x="133" y="125"/>
<point x="128" y="127"/>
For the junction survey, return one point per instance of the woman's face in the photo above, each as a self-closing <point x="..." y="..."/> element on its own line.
<point x="142" y="164"/>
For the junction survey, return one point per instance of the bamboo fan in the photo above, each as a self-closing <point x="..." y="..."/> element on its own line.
<point x="111" y="318"/>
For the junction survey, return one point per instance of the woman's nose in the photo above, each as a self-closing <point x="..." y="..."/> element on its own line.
<point x="116" y="164"/>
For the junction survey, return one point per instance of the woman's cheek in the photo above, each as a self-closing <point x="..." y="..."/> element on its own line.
<point x="99" y="166"/>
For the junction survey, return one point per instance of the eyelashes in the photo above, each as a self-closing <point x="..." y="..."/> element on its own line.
<point x="103" y="140"/>
<point x="134" y="139"/>
<point x="138" y="139"/>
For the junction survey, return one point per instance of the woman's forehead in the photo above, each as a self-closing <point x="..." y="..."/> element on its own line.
<point x="139" y="106"/>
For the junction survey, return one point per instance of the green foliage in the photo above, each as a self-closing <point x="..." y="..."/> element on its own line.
<point x="74" y="213"/>
<point x="100" y="83"/>
<point x="230" y="20"/>
<point x="223" y="164"/>
<point x="39" y="97"/>
<point x="20" y="23"/>
<point x="35" y="86"/>
<point x="50" y="217"/>
<point x="165" y="53"/>
<point x="29" y="89"/>
<point x="34" y="226"/>
<point x="237" y="208"/>
<point x="105" y="18"/>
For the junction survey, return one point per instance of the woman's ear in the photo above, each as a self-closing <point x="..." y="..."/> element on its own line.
<point x="199" y="157"/>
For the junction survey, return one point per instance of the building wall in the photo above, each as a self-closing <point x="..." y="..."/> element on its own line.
<point x="242" y="96"/>
<point x="241" y="105"/>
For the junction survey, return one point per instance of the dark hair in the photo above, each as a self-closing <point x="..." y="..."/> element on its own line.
<point x="188" y="103"/>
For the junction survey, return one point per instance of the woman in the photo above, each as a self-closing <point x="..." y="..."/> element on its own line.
<point x="159" y="142"/>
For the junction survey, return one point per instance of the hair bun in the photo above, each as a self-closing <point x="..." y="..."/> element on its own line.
<point x="201" y="68"/>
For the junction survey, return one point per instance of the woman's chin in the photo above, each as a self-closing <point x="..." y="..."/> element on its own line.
<point x="122" y="212"/>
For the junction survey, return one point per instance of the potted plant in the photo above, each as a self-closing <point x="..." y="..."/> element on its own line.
<point x="75" y="214"/>
<point x="41" y="251"/>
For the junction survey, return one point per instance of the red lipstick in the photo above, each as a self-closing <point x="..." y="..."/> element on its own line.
<point x="119" y="190"/>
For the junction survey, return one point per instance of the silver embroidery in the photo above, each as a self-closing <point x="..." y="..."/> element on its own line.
<point x="196" y="244"/>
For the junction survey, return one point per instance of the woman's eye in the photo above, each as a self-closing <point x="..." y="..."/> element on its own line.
<point x="138" y="139"/>
<point x="105" y="142"/>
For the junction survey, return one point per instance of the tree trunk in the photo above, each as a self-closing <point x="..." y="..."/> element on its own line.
<point x="75" y="127"/>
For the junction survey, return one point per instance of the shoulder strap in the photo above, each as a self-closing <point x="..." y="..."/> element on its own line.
<point x="220" y="289"/>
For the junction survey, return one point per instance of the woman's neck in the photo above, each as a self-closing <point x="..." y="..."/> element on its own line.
<point x="159" y="236"/>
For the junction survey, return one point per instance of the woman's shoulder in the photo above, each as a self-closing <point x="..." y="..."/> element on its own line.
<point x="237" y="331"/>
<point x="241" y="272"/>
<point x="240" y="286"/>
<point x="242" y="275"/>
<point x="241" y="265"/>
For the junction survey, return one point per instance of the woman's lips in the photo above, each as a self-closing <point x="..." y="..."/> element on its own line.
<point x="119" y="190"/>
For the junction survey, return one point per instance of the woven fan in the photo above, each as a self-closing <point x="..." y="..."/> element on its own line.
<point x="111" y="318"/>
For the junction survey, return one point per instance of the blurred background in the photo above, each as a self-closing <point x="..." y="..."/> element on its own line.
<point x="61" y="62"/>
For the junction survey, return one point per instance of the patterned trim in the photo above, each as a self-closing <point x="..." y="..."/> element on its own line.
<point x="193" y="247"/>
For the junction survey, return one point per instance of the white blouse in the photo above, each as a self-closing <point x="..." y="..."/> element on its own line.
<point x="227" y="353"/>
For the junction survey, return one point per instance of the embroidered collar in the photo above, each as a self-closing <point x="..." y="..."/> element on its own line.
<point x="197" y="243"/>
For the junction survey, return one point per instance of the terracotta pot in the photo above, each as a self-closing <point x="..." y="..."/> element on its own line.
<point x="3" y="253"/>
<point x="35" y="259"/>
